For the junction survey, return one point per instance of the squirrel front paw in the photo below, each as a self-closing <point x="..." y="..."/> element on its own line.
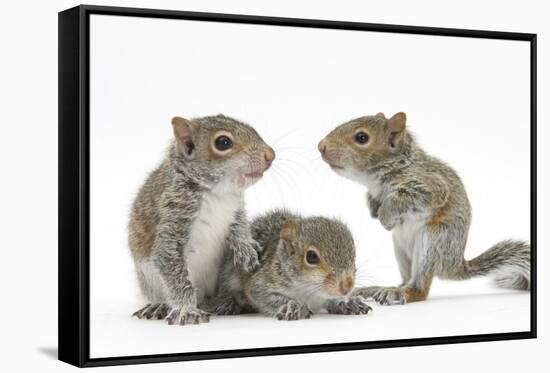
<point x="187" y="315"/>
<point x="246" y="256"/>
<point x="373" y="205"/>
<point x="354" y="305"/>
<point x="293" y="311"/>
<point x="388" y="219"/>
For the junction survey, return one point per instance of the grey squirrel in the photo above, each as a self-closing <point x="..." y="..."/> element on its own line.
<point x="190" y="210"/>
<point x="306" y="265"/>
<point x="422" y="201"/>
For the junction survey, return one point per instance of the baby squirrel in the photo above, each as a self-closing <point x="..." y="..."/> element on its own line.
<point x="190" y="210"/>
<point x="422" y="201"/>
<point x="306" y="264"/>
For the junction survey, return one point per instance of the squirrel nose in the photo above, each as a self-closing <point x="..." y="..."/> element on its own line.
<point x="269" y="156"/>
<point x="322" y="146"/>
<point x="345" y="285"/>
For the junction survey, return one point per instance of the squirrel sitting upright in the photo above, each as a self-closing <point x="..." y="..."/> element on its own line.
<point x="422" y="201"/>
<point x="190" y="210"/>
<point x="306" y="264"/>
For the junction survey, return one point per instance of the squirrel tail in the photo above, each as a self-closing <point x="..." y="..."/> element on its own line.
<point x="508" y="262"/>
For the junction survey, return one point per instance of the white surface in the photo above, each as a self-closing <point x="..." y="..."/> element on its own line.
<point x="453" y="309"/>
<point x="467" y="101"/>
<point x="28" y="150"/>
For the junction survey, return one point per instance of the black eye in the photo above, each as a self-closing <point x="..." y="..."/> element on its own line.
<point x="361" y="138"/>
<point x="312" y="257"/>
<point x="223" y="143"/>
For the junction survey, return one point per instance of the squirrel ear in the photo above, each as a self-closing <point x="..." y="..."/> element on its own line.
<point x="396" y="126"/>
<point x="381" y="115"/>
<point x="183" y="133"/>
<point x="291" y="230"/>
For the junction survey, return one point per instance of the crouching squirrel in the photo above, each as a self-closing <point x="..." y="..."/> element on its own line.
<point x="306" y="265"/>
<point x="422" y="201"/>
<point x="190" y="210"/>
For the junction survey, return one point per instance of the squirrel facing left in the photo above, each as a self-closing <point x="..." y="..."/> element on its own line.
<point x="306" y="265"/>
<point x="190" y="210"/>
<point x="422" y="201"/>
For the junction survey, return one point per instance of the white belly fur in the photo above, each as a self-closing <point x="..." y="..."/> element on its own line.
<point x="405" y="236"/>
<point x="208" y="235"/>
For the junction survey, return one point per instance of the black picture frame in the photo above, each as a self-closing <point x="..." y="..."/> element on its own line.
<point x="74" y="182"/>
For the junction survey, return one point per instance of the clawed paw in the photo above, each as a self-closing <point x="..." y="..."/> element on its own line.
<point x="390" y="296"/>
<point x="154" y="311"/>
<point x="227" y="307"/>
<point x="354" y="305"/>
<point x="187" y="315"/>
<point x="293" y="311"/>
<point x="246" y="258"/>
<point x="387" y="220"/>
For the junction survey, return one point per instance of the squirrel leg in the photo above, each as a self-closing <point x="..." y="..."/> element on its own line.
<point x="181" y="297"/>
<point x="276" y="304"/>
<point x="404" y="262"/>
<point x="244" y="248"/>
<point x="418" y="286"/>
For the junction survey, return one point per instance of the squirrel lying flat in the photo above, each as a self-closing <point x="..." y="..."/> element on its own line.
<point x="306" y="264"/>
<point x="190" y="210"/>
<point x="422" y="201"/>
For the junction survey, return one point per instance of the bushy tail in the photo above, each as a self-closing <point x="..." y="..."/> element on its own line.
<point x="508" y="262"/>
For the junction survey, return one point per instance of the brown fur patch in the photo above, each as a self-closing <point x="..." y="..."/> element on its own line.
<point x="142" y="240"/>
<point x="416" y="295"/>
<point x="439" y="217"/>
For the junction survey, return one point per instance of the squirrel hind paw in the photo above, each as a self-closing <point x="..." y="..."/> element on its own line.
<point x="390" y="296"/>
<point x="153" y="311"/>
<point x="186" y="316"/>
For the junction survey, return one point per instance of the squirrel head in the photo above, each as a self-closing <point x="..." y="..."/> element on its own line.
<point x="322" y="252"/>
<point x="220" y="148"/>
<point x="364" y="142"/>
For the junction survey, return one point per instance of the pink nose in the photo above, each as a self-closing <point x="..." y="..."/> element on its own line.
<point x="269" y="156"/>
<point x="345" y="285"/>
<point x="322" y="146"/>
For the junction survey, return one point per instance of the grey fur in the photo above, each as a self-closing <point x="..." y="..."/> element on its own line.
<point x="167" y="207"/>
<point x="423" y="202"/>
<point x="284" y="286"/>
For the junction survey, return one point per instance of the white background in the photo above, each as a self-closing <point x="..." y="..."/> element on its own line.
<point x="29" y="153"/>
<point x="467" y="101"/>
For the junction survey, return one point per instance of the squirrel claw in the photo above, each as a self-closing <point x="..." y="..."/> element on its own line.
<point x="354" y="305"/>
<point x="187" y="315"/>
<point x="154" y="311"/>
<point x="293" y="311"/>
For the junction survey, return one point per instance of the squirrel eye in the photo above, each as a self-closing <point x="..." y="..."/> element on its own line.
<point x="223" y="143"/>
<point x="361" y="138"/>
<point x="312" y="257"/>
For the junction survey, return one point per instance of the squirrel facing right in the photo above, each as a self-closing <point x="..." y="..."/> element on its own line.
<point x="422" y="201"/>
<point x="306" y="264"/>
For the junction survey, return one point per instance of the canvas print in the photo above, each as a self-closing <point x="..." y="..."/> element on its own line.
<point x="258" y="186"/>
